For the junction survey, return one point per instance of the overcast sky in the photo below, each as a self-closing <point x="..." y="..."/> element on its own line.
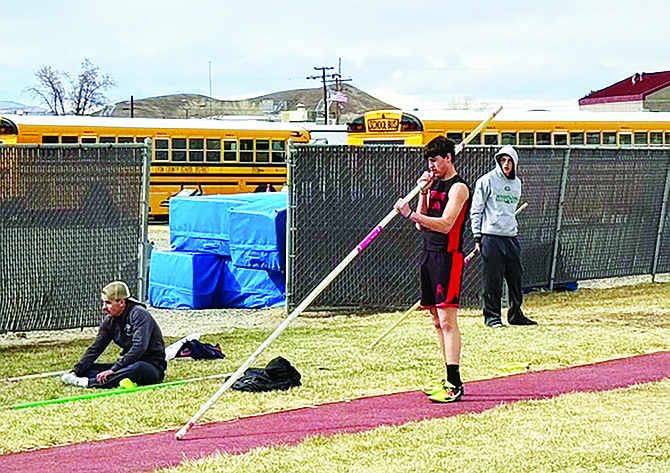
<point x="416" y="54"/>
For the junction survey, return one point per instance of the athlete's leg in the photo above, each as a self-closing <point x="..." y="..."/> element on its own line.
<point x="445" y="320"/>
<point x="140" y="373"/>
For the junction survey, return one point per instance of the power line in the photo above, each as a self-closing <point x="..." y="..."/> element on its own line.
<point x="323" y="77"/>
<point x="336" y="78"/>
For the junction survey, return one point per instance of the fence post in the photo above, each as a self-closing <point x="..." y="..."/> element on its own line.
<point x="559" y="219"/>
<point x="661" y="223"/>
<point x="290" y="218"/>
<point x="145" y="246"/>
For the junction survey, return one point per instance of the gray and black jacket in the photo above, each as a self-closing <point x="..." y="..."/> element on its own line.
<point x="495" y="200"/>
<point x="136" y="332"/>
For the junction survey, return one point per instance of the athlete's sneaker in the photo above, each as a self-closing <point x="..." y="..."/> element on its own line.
<point x="434" y="388"/>
<point x="450" y="393"/>
<point x="74" y="380"/>
<point x="127" y="383"/>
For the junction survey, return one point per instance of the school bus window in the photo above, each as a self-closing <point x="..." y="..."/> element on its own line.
<point x="592" y="138"/>
<point x="543" y="138"/>
<point x="490" y="139"/>
<point x="230" y="151"/>
<point x="357" y="125"/>
<point x="609" y="138"/>
<point x="509" y="139"/>
<point x="410" y="123"/>
<point x="278" y="151"/>
<point x="640" y="139"/>
<point x="179" y="149"/>
<point x="196" y="153"/>
<point x="213" y="154"/>
<point x="69" y="140"/>
<point x="667" y="139"/>
<point x="455" y="136"/>
<point x="656" y="139"/>
<point x="246" y="151"/>
<point x="49" y="140"/>
<point x="625" y="139"/>
<point x="576" y="138"/>
<point x="161" y="145"/>
<point x="7" y="127"/>
<point x="88" y="139"/>
<point x="526" y="138"/>
<point x="262" y="151"/>
<point x="477" y="140"/>
<point x="126" y="139"/>
<point x="140" y="139"/>
<point x="108" y="139"/>
<point x="560" y="139"/>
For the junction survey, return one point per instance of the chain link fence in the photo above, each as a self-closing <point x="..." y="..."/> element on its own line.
<point x="71" y="221"/>
<point x="593" y="213"/>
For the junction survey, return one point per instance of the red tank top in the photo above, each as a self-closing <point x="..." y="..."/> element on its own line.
<point x="437" y="202"/>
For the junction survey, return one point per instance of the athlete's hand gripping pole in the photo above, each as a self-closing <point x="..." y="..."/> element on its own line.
<point x="466" y="260"/>
<point x="316" y="291"/>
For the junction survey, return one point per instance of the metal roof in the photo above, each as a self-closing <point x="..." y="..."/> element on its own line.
<point x="633" y="88"/>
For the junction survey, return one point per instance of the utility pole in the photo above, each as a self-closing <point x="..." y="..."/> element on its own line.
<point x="338" y="97"/>
<point x="323" y="76"/>
<point x="210" y="78"/>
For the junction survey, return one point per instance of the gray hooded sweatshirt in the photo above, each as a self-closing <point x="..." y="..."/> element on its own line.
<point x="495" y="199"/>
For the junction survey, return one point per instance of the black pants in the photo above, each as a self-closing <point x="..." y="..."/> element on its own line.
<point x="501" y="258"/>
<point x="140" y="373"/>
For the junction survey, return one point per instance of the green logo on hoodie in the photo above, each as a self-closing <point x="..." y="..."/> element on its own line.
<point x="506" y="199"/>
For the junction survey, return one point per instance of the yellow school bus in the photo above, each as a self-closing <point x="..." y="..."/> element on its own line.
<point x="535" y="128"/>
<point x="205" y="156"/>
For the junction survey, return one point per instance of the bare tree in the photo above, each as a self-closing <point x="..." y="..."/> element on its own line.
<point x="86" y="90"/>
<point x="465" y="103"/>
<point x="49" y="89"/>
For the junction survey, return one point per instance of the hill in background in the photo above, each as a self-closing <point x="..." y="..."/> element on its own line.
<point x="9" y="106"/>
<point x="269" y="106"/>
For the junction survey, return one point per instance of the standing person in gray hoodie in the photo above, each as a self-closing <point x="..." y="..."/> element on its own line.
<point x="494" y="226"/>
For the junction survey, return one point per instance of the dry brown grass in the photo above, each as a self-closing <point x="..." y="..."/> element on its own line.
<point x="587" y="326"/>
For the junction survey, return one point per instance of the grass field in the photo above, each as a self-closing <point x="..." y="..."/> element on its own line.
<point x="625" y="430"/>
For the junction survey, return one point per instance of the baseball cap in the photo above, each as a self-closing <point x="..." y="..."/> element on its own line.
<point x="116" y="290"/>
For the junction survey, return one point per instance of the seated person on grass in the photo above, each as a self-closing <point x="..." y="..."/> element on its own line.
<point x="130" y="325"/>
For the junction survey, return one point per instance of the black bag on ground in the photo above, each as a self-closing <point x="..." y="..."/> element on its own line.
<point x="278" y="374"/>
<point x="200" y="351"/>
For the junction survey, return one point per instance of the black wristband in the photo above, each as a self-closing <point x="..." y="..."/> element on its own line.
<point x="478" y="239"/>
<point x="409" y="215"/>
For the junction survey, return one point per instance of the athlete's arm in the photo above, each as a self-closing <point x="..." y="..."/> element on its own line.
<point x="425" y="181"/>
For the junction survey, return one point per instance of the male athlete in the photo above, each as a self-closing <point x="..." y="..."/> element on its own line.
<point x="440" y="216"/>
<point x="130" y="325"/>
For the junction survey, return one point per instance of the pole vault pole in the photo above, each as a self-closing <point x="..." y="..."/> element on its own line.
<point x="33" y="376"/>
<point x="111" y="392"/>
<point x="318" y="290"/>
<point x="418" y="303"/>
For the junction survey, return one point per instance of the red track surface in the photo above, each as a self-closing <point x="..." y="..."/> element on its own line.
<point x="151" y="451"/>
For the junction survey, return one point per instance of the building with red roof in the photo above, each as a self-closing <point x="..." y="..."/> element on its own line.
<point x="643" y="91"/>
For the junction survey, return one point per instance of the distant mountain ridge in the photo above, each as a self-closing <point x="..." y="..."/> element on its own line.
<point x="270" y="105"/>
<point x="9" y="106"/>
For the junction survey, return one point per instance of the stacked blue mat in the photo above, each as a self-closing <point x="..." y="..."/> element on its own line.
<point x="227" y="251"/>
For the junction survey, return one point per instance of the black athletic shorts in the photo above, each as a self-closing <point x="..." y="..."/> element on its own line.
<point x="441" y="275"/>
